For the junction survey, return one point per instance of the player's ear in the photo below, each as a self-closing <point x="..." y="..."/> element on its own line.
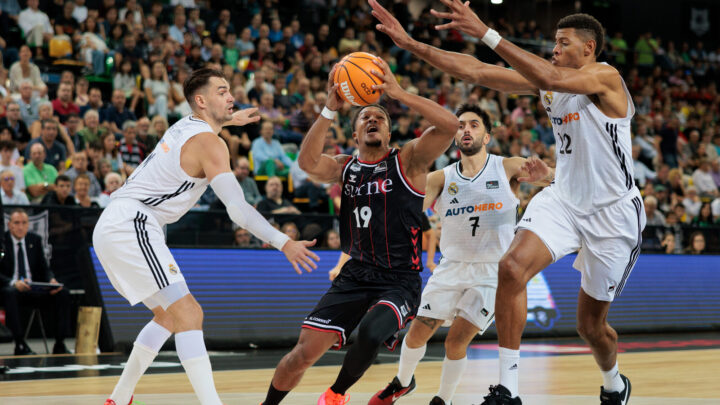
<point x="590" y="46"/>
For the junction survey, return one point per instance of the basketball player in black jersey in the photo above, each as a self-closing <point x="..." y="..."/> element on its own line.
<point x="381" y="218"/>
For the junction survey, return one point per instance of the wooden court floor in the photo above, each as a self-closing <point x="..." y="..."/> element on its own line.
<point x="689" y="377"/>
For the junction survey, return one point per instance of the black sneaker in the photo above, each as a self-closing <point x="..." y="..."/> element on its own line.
<point x="438" y="401"/>
<point x="616" y="398"/>
<point x="392" y="392"/>
<point x="500" y="395"/>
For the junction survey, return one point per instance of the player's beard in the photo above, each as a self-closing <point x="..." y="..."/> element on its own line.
<point x="373" y="144"/>
<point x="472" y="149"/>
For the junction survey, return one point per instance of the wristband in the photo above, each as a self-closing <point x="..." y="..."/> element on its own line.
<point x="491" y="38"/>
<point x="328" y="113"/>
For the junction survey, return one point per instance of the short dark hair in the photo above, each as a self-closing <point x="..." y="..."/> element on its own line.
<point x="7" y="145"/>
<point x="96" y="144"/>
<point x="588" y="24"/>
<point x="197" y="80"/>
<point x="46" y="122"/>
<point x="62" y="177"/>
<point x="356" y="115"/>
<point x="474" y="108"/>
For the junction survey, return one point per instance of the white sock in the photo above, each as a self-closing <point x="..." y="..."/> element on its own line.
<point x="612" y="381"/>
<point x="190" y="348"/>
<point x="509" y="370"/>
<point x="452" y="370"/>
<point x="409" y="359"/>
<point x="146" y="347"/>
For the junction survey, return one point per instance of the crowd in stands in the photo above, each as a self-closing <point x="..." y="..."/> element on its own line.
<point x="121" y="63"/>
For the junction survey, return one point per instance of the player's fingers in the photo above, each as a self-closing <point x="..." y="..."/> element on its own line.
<point x="310" y="262"/>
<point x="445" y="26"/>
<point x="250" y="111"/>
<point x="523" y="179"/>
<point x="441" y="14"/>
<point x="305" y="266"/>
<point x="312" y="254"/>
<point x="255" y="119"/>
<point x="295" y="266"/>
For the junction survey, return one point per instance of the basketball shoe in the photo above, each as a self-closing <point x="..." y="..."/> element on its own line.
<point x="111" y="402"/>
<point x="392" y="392"/>
<point x="438" y="401"/>
<point x="330" y="398"/>
<point x="616" y="398"/>
<point x="500" y="395"/>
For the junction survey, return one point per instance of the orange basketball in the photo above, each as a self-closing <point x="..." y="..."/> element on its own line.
<point x="355" y="80"/>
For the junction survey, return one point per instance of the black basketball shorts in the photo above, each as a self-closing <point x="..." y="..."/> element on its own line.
<point x="356" y="290"/>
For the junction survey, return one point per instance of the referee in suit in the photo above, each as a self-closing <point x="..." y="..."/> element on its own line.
<point x="25" y="261"/>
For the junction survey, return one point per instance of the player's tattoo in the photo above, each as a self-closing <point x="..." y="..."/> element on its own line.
<point x="429" y="322"/>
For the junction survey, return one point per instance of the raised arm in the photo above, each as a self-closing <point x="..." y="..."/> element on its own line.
<point x="465" y="67"/>
<point x="593" y="78"/>
<point x="435" y="140"/>
<point x="320" y="167"/>
<point x="210" y="154"/>
<point x="433" y="187"/>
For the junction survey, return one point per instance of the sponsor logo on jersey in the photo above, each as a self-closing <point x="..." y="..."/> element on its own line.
<point x="381" y="167"/>
<point x="353" y="178"/>
<point x="380" y="186"/>
<point x="548" y="98"/>
<point x="404" y="310"/>
<point x="527" y="219"/>
<point x="355" y="167"/>
<point x="566" y="119"/>
<point x="453" y="188"/>
<point x="611" y="289"/>
<point x="492" y="184"/>
<point x="319" y="320"/>
<point x="484" y="312"/>
<point x="451" y="212"/>
<point x="173" y="269"/>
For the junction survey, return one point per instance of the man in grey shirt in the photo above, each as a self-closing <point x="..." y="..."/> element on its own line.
<point x="79" y="166"/>
<point x="249" y="187"/>
<point x="10" y="194"/>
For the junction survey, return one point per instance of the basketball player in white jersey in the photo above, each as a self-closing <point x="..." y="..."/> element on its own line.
<point x="592" y="206"/>
<point x="478" y="212"/>
<point x="130" y="244"/>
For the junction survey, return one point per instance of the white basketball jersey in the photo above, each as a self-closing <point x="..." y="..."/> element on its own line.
<point x="477" y="215"/>
<point x="594" y="153"/>
<point x="159" y="182"/>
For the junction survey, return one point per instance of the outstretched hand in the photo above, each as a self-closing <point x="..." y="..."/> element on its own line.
<point x="390" y="26"/>
<point x="462" y="18"/>
<point x="297" y="253"/>
<point x="244" y="117"/>
<point x="390" y="85"/>
<point x="334" y="101"/>
<point x="535" y="169"/>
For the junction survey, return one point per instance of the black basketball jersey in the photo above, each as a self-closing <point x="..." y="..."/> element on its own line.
<point x="381" y="214"/>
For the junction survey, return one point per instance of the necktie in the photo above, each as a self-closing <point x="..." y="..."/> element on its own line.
<point x="22" y="272"/>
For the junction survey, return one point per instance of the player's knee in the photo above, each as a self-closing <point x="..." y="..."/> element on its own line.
<point x="590" y="331"/>
<point x="511" y="272"/>
<point x="302" y="357"/>
<point x="454" y="347"/>
<point x="370" y="336"/>
<point x="165" y="320"/>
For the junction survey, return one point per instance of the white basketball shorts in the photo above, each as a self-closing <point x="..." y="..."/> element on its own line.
<point x="130" y="245"/>
<point x="607" y="241"/>
<point x="461" y="289"/>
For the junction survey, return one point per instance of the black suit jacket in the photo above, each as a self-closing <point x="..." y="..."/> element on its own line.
<point x="37" y="264"/>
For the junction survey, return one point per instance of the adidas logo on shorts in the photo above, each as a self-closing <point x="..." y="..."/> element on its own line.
<point x="427" y="306"/>
<point x="454" y="201"/>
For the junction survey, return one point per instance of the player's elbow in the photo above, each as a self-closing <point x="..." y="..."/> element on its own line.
<point x="306" y="163"/>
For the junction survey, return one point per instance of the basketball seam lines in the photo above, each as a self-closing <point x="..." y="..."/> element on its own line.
<point x="353" y="85"/>
<point x="362" y="70"/>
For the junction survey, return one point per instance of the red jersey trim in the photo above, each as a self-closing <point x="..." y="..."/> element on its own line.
<point x="377" y="161"/>
<point x="405" y="179"/>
